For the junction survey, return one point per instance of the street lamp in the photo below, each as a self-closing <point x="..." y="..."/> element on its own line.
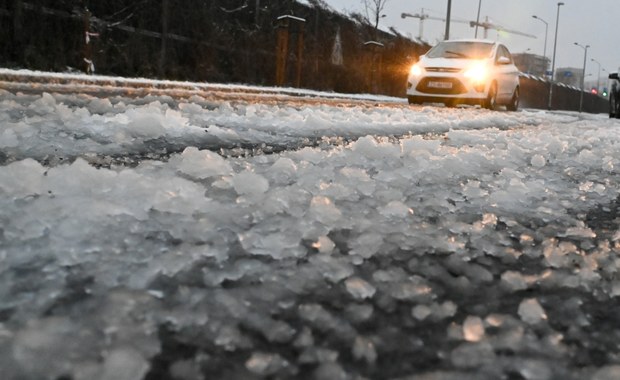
<point x="478" y="18"/>
<point x="447" y="35"/>
<point x="546" y="30"/>
<point x="598" y="78"/>
<point x="555" y="45"/>
<point x="583" y="77"/>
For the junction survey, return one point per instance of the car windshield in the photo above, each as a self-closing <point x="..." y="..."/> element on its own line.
<point x="461" y="49"/>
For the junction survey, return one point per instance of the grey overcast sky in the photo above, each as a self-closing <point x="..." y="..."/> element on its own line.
<point x="587" y="22"/>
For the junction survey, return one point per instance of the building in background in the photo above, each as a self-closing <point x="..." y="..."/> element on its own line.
<point x="532" y="64"/>
<point x="570" y="76"/>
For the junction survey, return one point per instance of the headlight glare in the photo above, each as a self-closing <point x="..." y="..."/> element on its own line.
<point x="416" y="70"/>
<point x="477" y="73"/>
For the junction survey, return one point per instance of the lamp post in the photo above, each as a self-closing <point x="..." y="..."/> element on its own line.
<point x="447" y="35"/>
<point x="478" y="18"/>
<point x="546" y="32"/>
<point x="598" y="78"/>
<point x="555" y="45"/>
<point x="583" y="77"/>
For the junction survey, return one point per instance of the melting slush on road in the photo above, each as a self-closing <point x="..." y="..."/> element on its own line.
<point x="405" y="243"/>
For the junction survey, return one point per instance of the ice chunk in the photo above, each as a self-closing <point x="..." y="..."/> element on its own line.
<point x="304" y="338"/>
<point x="359" y="313"/>
<point x="535" y="370"/>
<point x="556" y="254"/>
<point x="8" y="139"/>
<point x="279" y="245"/>
<point x="359" y="289"/>
<point x="579" y="232"/>
<point x="317" y="122"/>
<point x="186" y="369"/>
<point x="514" y="281"/>
<point x="36" y="347"/>
<point x="325" y="321"/>
<point x="473" y="329"/>
<point x="531" y="311"/>
<point x="415" y="288"/>
<point x="609" y="372"/>
<point x="230" y="338"/>
<point x="124" y="364"/>
<point x="249" y="183"/>
<point x="203" y="164"/>
<point x="538" y="161"/>
<point x="366" y="245"/>
<point x="472" y="355"/>
<point x="325" y="245"/>
<point x="332" y="267"/>
<point x="146" y="123"/>
<point x="417" y="144"/>
<point x="314" y="355"/>
<point x="368" y="147"/>
<point x="22" y="178"/>
<point x="284" y="169"/>
<point x="396" y="209"/>
<point x="434" y="311"/>
<point x="266" y="364"/>
<point x="323" y="210"/>
<point x="360" y="179"/>
<point x="421" y="312"/>
<point x="330" y="371"/>
<point x="364" y="349"/>
<point x="100" y="106"/>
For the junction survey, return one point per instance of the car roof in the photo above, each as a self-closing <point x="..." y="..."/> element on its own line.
<point x="491" y="42"/>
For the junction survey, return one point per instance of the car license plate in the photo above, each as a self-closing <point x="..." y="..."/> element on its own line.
<point x="440" y="84"/>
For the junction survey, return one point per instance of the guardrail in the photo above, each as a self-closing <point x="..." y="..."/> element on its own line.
<point x="535" y="94"/>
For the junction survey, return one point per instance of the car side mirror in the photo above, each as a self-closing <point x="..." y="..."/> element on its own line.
<point x="614" y="76"/>
<point x="503" y="61"/>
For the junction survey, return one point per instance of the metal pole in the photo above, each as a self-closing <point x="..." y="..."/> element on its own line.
<point x="478" y="18"/>
<point x="256" y="14"/>
<point x="583" y="77"/>
<point x="555" y="45"/>
<point x="421" y="24"/>
<point x="546" y="33"/>
<point x="447" y="35"/>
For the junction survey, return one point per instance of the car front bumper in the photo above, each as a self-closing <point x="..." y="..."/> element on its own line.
<point x="436" y="87"/>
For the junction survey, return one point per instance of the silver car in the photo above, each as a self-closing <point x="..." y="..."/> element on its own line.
<point x="476" y="72"/>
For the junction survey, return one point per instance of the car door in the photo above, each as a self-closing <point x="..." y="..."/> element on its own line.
<point x="507" y="73"/>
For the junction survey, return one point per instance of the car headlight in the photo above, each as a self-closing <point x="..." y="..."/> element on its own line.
<point x="416" y="70"/>
<point x="477" y="73"/>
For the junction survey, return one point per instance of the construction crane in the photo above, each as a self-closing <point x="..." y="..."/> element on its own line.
<point x="423" y="16"/>
<point x="486" y="24"/>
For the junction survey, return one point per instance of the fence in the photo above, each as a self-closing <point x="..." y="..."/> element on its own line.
<point x="216" y="41"/>
<point x="535" y="94"/>
<point x="225" y="41"/>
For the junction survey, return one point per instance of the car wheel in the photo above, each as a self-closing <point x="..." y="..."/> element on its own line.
<point x="491" y="100"/>
<point x="414" y="100"/>
<point x="451" y="103"/>
<point x="614" y="105"/>
<point x="514" y="102"/>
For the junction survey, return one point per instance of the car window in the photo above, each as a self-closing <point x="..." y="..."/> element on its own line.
<point x="461" y="49"/>
<point x="502" y="51"/>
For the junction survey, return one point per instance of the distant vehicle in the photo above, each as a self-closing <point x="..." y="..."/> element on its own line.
<point x="475" y="72"/>
<point x="614" y="96"/>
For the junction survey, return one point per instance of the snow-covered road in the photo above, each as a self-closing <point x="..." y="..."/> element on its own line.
<point x="163" y="238"/>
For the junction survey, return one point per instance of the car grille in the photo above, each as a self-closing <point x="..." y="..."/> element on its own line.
<point x="450" y="86"/>
<point x="442" y="70"/>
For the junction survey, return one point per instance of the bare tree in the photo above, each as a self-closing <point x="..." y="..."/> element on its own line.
<point x="374" y="12"/>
